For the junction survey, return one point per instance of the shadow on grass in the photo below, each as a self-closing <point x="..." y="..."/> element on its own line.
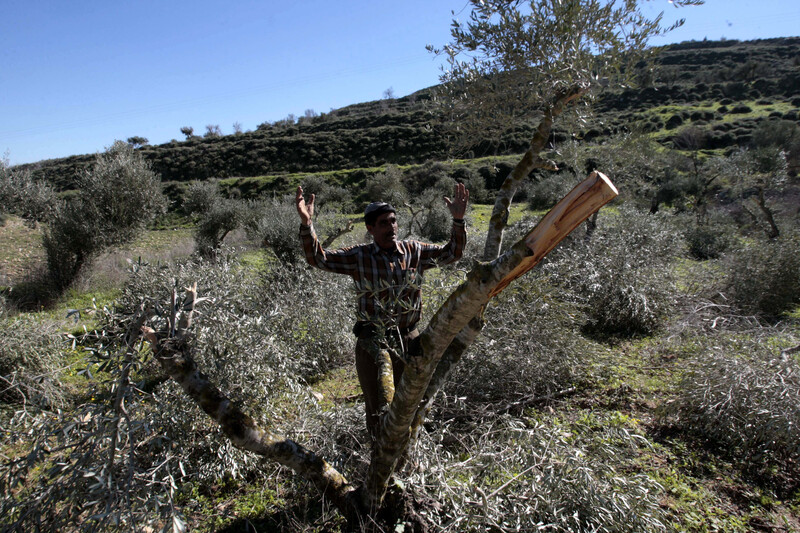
<point x="31" y="295"/>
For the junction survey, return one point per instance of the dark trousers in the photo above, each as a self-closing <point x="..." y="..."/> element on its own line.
<point x="379" y="368"/>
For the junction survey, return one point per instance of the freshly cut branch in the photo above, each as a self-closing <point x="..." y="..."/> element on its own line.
<point x="464" y="304"/>
<point x="174" y="354"/>
<point x="584" y="200"/>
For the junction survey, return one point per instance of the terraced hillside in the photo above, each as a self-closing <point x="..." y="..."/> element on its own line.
<point x="724" y="88"/>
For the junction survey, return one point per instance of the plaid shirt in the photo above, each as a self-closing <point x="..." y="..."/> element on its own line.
<point x="388" y="282"/>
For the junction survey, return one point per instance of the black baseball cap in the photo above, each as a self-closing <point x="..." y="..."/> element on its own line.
<point x="376" y="209"/>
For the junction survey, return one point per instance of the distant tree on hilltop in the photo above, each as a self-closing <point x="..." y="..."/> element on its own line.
<point x="137" y="141"/>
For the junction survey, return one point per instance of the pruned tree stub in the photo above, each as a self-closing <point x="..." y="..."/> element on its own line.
<point x="584" y="200"/>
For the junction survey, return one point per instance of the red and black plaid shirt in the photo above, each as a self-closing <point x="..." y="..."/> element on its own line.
<point x="388" y="282"/>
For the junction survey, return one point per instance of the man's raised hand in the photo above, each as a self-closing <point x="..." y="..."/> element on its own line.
<point x="458" y="205"/>
<point x="305" y="210"/>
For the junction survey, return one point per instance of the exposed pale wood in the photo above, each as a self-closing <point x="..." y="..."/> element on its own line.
<point x="585" y="199"/>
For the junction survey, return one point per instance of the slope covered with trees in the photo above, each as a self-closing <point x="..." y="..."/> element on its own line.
<point x="724" y="87"/>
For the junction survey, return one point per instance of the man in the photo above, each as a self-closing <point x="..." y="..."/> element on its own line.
<point x="388" y="277"/>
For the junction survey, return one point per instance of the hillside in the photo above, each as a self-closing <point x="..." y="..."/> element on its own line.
<point x="723" y="87"/>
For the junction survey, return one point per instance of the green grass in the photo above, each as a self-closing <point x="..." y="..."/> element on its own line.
<point x="482" y="213"/>
<point x="20" y="250"/>
<point x="338" y="387"/>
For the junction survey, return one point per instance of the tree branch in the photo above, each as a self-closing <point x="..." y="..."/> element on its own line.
<point x="338" y="233"/>
<point x="174" y="355"/>
<point x="530" y="160"/>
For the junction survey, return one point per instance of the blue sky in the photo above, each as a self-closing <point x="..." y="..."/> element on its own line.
<point x="77" y="75"/>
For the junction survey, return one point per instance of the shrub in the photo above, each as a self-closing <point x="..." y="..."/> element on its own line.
<point x="743" y="399"/>
<point x="474" y="182"/>
<point x="545" y="192"/>
<point x="117" y="197"/>
<point x="673" y="122"/>
<point x="387" y="187"/>
<point x="20" y="194"/>
<point x="621" y="274"/>
<point x="31" y="353"/>
<point x="418" y="179"/>
<point x="436" y="223"/>
<point x="706" y="241"/>
<point x="536" y="476"/>
<point x="200" y="197"/>
<point x="122" y="192"/>
<point x="429" y="218"/>
<point x="328" y="195"/>
<point x="764" y="277"/>
<point x="69" y="242"/>
<point x="741" y="109"/>
<point x="510" y="363"/>
<point x="214" y="215"/>
<point x="783" y="134"/>
<point x="691" y="138"/>
<point x="275" y="225"/>
<point x="221" y="218"/>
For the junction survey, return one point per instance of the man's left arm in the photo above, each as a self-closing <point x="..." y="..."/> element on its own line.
<point x="435" y="255"/>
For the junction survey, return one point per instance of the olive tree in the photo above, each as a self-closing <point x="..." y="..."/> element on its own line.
<point x="755" y="174"/>
<point x="117" y="197"/>
<point x="22" y="195"/>
<point x="514" y="61"/>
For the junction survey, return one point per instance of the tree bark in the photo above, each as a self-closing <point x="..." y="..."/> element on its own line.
<point x="771" y="230"/>
<point x="450" y="357"/>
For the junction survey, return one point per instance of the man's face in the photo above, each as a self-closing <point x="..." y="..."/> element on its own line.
<point x="384" y="232"/>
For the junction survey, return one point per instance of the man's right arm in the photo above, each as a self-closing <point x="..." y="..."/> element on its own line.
<point x="315" y="255"/>
<point x="305" y="210"/>
<point x="343" y="261"/>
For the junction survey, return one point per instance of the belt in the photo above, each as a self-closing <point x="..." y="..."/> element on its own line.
<point x="362" y="329"/>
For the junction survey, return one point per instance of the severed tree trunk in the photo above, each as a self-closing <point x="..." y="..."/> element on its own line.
<point x="530" y="160"/>
<point x="483" y="282"/>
